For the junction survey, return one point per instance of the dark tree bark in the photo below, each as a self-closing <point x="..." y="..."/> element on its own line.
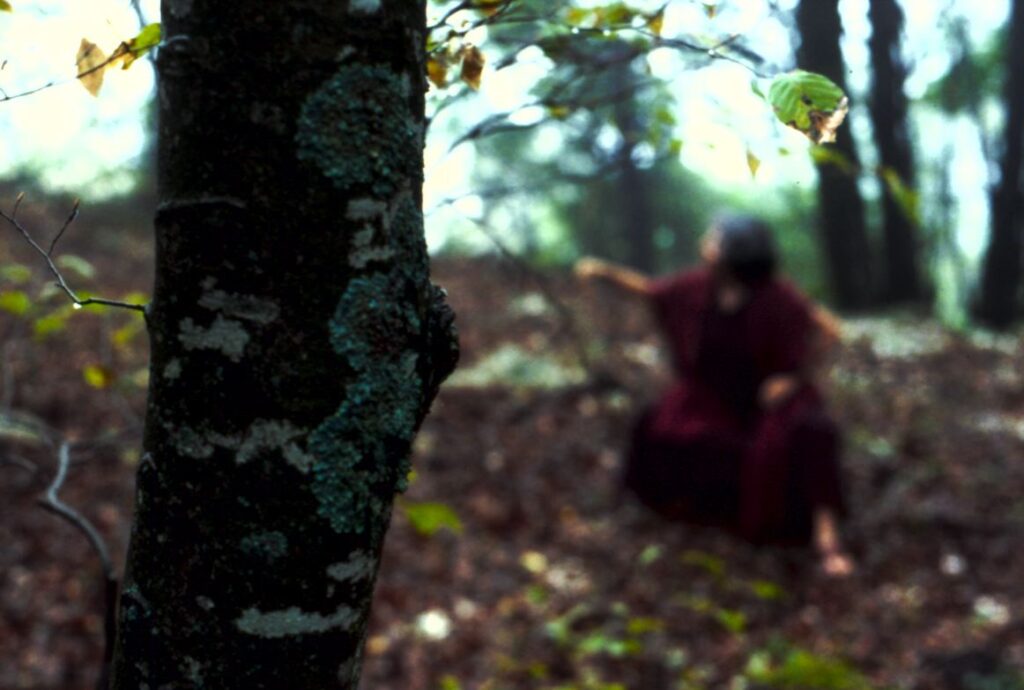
<point x="840" y="207"/>
<point x="888" y="105"/>
<point x="637" y="222"/>
<point x="1001" y="274"/>
<point x="296" y="340"/>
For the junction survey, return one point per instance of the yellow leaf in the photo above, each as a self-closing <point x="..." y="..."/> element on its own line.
<point x="97" y="376"/>
<point x="488" y="7"/>
<point x="5" y="6"/>
<point x="91" y="62"/>
<point x="824" y="124"/>
<point x="577" y="15"/>
<point x="559" y="112"/>
<point x="437" y="72"/>
<point x="753" y="162"/>
<point x="132" y="50"/>
<point x="656" y="22"/>
<point x="472" y="66"/>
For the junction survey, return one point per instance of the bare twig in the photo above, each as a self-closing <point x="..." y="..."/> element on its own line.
<point x="51" y="501"/>
<point x="47" y="255"/>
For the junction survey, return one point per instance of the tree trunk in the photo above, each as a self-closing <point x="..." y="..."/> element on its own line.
<point x="296" y="340"/>
<point x="1001" y="276"/>
<point x="637" y="222"/>
<point x="840" y="208"/>
<point x="888" y="104"/>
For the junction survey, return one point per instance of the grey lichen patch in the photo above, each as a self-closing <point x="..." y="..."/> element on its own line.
<point x="364" y="6"/>
<point x="269" y="546"/>
<point x="365" y="209"/>
<point x="293" y="621"/>
<point x="359" y="130"/>
<point x="191" y="444"/>
<point x="173" y="369"/>
<point x="193" y="671"/>
<point x="205" y="603"/>
<point x="359" y="567"/>
<point x="223" y="335"/>
<point x="244" y="307"/>
<point x="274" y="435"/>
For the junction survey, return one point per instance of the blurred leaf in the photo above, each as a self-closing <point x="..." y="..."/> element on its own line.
<point x="829" y="155"/>
<point x="753" y="162"/>
<point x="437" y="72"/>
<point x="766" y="590"/>
<point x="15" y="302"/>
<point x="642" y="626"/>
<point x="450" y="682"/>
<point x="756" y="89"/>
<point x="98" y="376"/>
<point x="77" y="265"/>
<point x="656" y="22"/>
<point x="430" y="518"/>
<point x="534" y="562"/>
<point x="711" y="9"/>
<point x="803" y="669"/>
<point x="488" y="7"/>
<point x="810" y="103"/>
<point x="705" y="561"/>
<point x="906" y="197"/>
<point x="472" y="66"/>
<point x="15" y="273"/>
<point x="650" y="554"/>
<point x="22" y="428"/>
<point x="733" y="621"/>
<point x="91" y="63"/>
<point x="122" y="337"/>
<point x="559" y="112"/>
<point x="5" y="6"/>
<point x="51" y="323"/>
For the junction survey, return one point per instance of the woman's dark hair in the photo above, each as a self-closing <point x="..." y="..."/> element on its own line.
<point x="746" y="248"/>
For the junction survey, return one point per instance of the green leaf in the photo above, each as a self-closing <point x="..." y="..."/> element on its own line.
<point x="15" y="273"/>
<point x="5" y="6"/>
<point x="766" y="590"/>
<point x="15" y="302"/>
<point x="98" y="376"/>
<point x="733" y="621"/>
<point x="429" y="518"/>
<point x="712" y="564"/>
<point x="76" y="264"/>
<point x="810" y="103"/>
<point x="829" y="155"/>
<point x="48" y="325"/>
<point x="905" y="196"/>
<point x="147" y="39"/>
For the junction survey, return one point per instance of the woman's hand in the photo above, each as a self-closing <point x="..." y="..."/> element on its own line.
<point x="776" y="390"/>
<point x="588" y="268"/>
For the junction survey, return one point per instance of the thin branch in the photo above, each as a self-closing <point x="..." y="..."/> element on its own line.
<point x="51" y="502"/>
<point x="47" y="255"/>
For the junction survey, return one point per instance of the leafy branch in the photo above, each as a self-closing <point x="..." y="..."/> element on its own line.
<point x="47" y="253"/>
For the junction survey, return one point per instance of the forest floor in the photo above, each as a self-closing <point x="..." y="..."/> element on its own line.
<point x="515" y="562"/>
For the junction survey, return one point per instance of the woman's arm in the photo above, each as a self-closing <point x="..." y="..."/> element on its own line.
<point x="824" y="337"/>
<point x="627" y="280"/>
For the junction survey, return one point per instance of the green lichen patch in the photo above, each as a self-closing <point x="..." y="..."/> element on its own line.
<point x="293" y="621"/>
<point x="268" y="546"/>
<point x="358" y="129"/>
<point x="361" y="452"/>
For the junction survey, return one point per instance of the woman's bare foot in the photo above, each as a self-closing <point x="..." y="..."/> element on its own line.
<point x="834" y="561"/>
<point x="837" y="564"/>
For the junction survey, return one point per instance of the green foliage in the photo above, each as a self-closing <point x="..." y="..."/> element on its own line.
<point x="799" y="669"/>
<point x="430" y="518"/>
<point x="810" y="103"/>
<point x="510" y="365"/>
<point x="15" y="302"/>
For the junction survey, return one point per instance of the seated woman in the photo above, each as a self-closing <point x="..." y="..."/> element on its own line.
<point x="741" y="440"/>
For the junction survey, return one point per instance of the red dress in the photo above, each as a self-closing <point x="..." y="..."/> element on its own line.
<point x="706" y="452"/>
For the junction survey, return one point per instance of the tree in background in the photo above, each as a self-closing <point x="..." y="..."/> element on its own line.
<point x="840" y="207"/>
<point x="998" y="301"/>
<point x="888" y="105"/>
<point x="296" y="340"/>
